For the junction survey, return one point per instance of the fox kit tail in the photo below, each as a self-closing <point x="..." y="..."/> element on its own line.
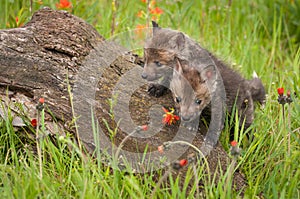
<point x="257" y="89"/>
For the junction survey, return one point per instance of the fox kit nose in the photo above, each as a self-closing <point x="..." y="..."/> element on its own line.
<point x="185" y="118"/>
<point x="144" y="76"/>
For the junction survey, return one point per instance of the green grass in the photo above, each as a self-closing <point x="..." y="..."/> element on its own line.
<point x="255" y="35"/>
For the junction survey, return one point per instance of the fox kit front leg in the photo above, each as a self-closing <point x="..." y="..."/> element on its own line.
<point x="159" y="89"/>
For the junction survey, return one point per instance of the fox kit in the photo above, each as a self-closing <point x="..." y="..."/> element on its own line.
<point x="159" y="58"/>
<point x="160" y="52"/>
<point x="192" y="95"/>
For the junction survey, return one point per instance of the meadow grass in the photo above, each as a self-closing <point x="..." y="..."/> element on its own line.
<point x="254" y="35"/>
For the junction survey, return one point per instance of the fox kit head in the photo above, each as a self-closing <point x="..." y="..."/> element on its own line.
<point x="190" y="90"/>
<point x="160" y="52"/>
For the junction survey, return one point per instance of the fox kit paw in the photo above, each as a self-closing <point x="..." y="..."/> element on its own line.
<point x="156" y="90"/>
<point x="191" y="126"/>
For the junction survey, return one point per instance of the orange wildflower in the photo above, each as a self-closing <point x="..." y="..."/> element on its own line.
<point x="183" y="162"/>
<point x="63" y="4"/>
<point x="145" y="127"/>
<point x="140" y="14"/>
<point x="156" y="11"/>
<point x="160" y="149"/>
<point x="18" y="22"/>
<point x="233" y="143"/>
<point x="140" y="26"/>
<point x="152" y="3"/>
<point x="169" y="118"/>
<point x="139" y="30"/>
<point x="154" y="18"/>
<point x="42" y="100"/>
<point x="234" y="149"/>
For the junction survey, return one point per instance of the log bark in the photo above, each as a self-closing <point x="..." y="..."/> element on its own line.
<point x="36" y="58"/>
<point x="56" y="54"/>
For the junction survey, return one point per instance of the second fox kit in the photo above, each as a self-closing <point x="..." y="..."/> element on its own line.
<point x="192" y="95"/>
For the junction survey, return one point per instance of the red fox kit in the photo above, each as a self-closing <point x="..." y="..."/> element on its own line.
<point x="192" y="95"/>
<point x="160" y="52"/>
<point x="159" y="58"/>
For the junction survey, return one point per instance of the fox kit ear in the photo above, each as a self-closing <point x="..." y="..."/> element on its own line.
<point x="155" y="27"/>
<point x="178" y="67"/>
<point x="154" y="24"/>
<point x="208" y="73"/>
<point x="178" y="41"/>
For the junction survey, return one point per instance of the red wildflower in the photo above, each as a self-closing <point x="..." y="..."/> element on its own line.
<point x="288" y="93"/>
<point x="183" y="162"/>
<point x="33" y="122"/>
<point x="144" y="127"/>
<point x="160" y="149"/>
<point x="40" y="105"/>
<point x="169" y="118"/>
<point x="18" y="22"/>
<point x="144" y="1"/>
<point x="233" y="143"/>
<point x="234" y="149"/>
<point x="156" y="11"/>
<point x="63" y="4"/>
<point x="280" y="91"/>
<point x="42" y="100"/>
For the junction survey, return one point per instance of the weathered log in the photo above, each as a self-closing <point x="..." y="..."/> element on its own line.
<point x="56" y="54"/>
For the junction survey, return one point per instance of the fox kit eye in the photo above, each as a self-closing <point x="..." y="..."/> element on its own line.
<point x="198" y="101"/>
<point x="178" y="99"/>
<point x="158" y="63"/>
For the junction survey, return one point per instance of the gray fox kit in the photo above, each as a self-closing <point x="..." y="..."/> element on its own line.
<point x="160" y="52"/>
<point x="192" y="95"/>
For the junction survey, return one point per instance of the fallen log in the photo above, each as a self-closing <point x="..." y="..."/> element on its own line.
<point x="81" y="75"/>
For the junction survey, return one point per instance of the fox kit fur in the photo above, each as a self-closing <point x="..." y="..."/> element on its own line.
<point x="192" y="95"/>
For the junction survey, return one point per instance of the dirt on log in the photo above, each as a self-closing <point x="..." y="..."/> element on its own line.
<point x="56" y="54"/>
